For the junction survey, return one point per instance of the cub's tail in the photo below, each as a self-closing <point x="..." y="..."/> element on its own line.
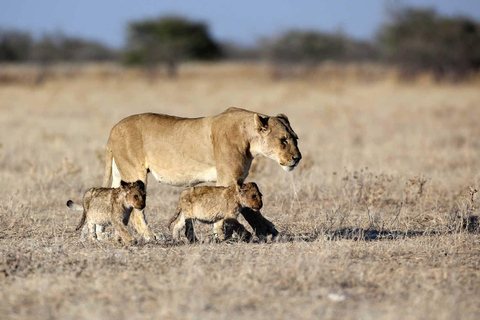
<point x="72" y="205"/>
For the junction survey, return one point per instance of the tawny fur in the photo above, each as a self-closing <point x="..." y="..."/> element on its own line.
<point x="110" y="206"/>
<point x="185" y="152"/>
<point x="219" y="205"/>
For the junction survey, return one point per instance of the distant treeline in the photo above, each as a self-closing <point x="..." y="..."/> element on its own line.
<point x="415" y="40"/>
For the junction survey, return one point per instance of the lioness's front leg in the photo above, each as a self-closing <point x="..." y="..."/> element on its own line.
<point x="236" y="226"/>
<point x="259" y="223"/>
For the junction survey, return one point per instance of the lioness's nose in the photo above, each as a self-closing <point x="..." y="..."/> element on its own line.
<point x="297" y="158"/>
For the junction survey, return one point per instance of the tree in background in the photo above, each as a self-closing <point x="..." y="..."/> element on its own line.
<point x="18" y="46"/>
<point x="57" y="47"/>
<point x="14" y="45"/>
<point x="169" y="40"/>
<point x="419" y="40"/>
<point x="309" y="48"/>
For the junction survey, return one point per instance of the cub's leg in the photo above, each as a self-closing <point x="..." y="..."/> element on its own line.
<point x="93" y="233"/>
<point x="179" y="225"/>
<point x="84" y="233"/>
<point x="100" y="231"/>
<point x="218" y="229"/>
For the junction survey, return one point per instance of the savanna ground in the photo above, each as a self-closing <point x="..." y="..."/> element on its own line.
<point x="374" y="222"/>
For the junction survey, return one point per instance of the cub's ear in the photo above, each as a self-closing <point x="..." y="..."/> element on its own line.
<point x="123" y="183"/>
<point x="261" y="123"/>
<point x="140" y="184"/>
<point x="253" y="185"/>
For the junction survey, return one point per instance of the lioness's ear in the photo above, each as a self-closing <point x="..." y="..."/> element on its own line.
<point x="289" y="128"/>
<point x="261" y="123"/>
<point x="123" y="183"/>
<point x="284" y="117"/>
<point x="140" y="184"/>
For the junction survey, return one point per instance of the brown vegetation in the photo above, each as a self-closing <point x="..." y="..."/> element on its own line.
<point x="377" y="222"/>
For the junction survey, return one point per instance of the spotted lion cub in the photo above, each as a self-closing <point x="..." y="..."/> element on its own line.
<point x="110" y="206"/>
<point x="219" y="205"/>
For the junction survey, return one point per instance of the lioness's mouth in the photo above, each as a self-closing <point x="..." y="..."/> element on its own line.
<point x="290" y="167"/>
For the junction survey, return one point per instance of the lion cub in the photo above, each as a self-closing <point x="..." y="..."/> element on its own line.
<point x="219" y="205"/>
<point x="105" y="206"/>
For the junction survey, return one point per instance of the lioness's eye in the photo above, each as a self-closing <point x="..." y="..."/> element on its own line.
<point x="136" y="197"/>
<point x="284" y="141"/>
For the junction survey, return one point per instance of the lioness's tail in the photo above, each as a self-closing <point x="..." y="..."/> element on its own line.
<point x="72" y="205"/>
<point x="174" y="217"/>
<point x="108" y="167"/>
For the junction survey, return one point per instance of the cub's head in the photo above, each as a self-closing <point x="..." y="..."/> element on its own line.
<point x="135" y="194"/>
<point x="278" y="141"/>
<point x="249" y="196"/>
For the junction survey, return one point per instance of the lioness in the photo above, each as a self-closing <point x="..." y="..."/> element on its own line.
<point x="105" y="206"/>
<point x="185" y="152"/>
<point x="215" y="204"/>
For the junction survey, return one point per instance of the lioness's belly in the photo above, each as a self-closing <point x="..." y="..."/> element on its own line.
<point x="185" y="179"/>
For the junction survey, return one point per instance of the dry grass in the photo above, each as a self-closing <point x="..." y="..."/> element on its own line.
<point x="374" y="220"/>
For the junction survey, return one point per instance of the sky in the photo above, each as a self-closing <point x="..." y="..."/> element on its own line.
<point x="242" y="22"/>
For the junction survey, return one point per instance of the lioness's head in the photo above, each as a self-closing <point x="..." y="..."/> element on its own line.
<point x="249" y="196"/>
<point x="135" y="194"/>
<point x="278" y="140"/>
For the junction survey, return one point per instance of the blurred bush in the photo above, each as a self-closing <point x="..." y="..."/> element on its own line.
<point x="18" y="46"/>
<point x="420" y="40"/>
<point x="14" y="45"/>
<point x="56" y="47"/>
<point x="415" y="41"/>
<point x="169" y="40"/>
<point x="309" y="48"/>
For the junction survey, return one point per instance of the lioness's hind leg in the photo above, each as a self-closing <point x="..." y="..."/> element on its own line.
<point x="116" y="176"/>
